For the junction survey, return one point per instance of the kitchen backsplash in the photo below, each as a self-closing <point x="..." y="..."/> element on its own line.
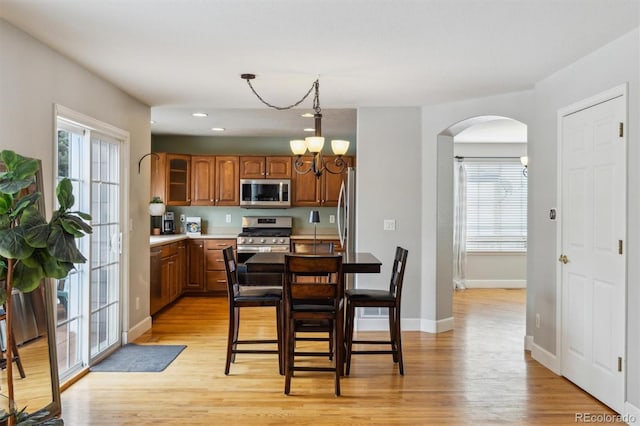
<point x="214" y="219"/>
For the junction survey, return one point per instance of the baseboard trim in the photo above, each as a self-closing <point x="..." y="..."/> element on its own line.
<point x="136" y="331"/>
<point x="631" y="414"/>
<point x="439" y="326"/>
<point x="546" y="358"/>
<point x="496" y="283"/>
<point x="528" y="343"/>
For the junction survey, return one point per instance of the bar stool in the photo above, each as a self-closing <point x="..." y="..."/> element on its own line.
<point x="367" y="298"/>
<point x="14" y="349"/>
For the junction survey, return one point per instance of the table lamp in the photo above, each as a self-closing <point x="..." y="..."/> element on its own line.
<point x="314" y="217"/>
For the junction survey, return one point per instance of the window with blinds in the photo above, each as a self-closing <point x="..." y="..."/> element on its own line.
<point x="496" y="199"/>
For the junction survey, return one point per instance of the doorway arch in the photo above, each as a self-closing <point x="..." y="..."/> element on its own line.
<point x="444" y="213"/>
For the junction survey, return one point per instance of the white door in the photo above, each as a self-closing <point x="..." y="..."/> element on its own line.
<point x="593" y="201"/>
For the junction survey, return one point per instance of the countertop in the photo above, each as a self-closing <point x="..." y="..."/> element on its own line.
<point x="158" y="240"/>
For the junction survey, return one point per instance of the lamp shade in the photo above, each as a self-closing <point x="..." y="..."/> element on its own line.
<point x="314" y="143"/>
<point x="298" y="146"/>
<point x="314" y="216"/>
<point x="339" y="146"/>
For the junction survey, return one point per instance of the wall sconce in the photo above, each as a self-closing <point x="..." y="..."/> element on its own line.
<point x="525" y="163"/>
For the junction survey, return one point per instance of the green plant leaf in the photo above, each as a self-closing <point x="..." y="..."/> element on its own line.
<point x="6" y="203"/>
<point x="37" y="228"/>
<point x="63" y="246"/>
<point x="64" y="192"/>
<point x="84" y="216"/>
<point x="78" y="223"/>
<point x="26" y="168"/>
<point x="11" y="185"/>
<point x="3" y="268"/>
<point x="25" y="202"/>
<point x="27" y="279"/>
<point x="3" y="298"/>
<point x="13" y="244"/>
<point x="9" y="158"/>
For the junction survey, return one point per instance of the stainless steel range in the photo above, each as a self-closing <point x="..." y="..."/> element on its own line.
<point x="263" y="234"/>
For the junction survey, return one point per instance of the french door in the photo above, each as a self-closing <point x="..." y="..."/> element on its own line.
<point x="89" y="306"/>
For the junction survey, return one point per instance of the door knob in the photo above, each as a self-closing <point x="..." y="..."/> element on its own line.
<point x="564" y="259"/>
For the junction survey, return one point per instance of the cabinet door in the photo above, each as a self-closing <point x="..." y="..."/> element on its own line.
<point x="158" y="175"/>
<point x="181" y="261"/>
<point x="202" y="180"/>
<point x="155" y="302"/>
<point x="278" y="167"/>
<point x="331" y="183"/>
<point x="306" y="188"/>
<point x="178" y="180"/>
<point x="252" y="167"/>
<point x="195" y="260"/>
<point x="227" y="180"/>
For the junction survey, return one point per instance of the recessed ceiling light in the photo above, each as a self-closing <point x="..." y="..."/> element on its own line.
<point x="152" y="121"/>
<point x="200" y="114"/>
<point x="217" y="129"/>
<point x="307" y="115"/>
<point x="309" y="129"/>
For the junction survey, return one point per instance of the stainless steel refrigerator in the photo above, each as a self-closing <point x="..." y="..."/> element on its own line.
<point x="346" y="212"/>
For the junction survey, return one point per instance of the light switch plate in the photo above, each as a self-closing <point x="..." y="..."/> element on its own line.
<point x="389" y="225"/>
<point x="332" y="218"/>
<point x="227" y="218"/>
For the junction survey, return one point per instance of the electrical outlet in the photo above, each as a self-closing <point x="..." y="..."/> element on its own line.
<point x="183" y="218"/>
<point x="389" y="225"/>
<point x="537" y="320"/>
<point x="332" y="218"/>
<point x="227" y="218"/>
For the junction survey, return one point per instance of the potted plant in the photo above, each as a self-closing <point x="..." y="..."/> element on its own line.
<point x="156" y="209"/>
<point x="30" y="247"/>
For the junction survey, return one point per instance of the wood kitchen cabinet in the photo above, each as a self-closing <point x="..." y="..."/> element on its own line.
<point x="167" y="266"/>
<point x="195" y="266"/>
<point x="275" y="167"/>
<point x="215" y="180"/>
<point x="309" y="191"/>
<point x="171" y="178"/>
<point x="216" y="277"/>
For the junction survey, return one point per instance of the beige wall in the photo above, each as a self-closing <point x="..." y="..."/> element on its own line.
<point x="33" y="78"/>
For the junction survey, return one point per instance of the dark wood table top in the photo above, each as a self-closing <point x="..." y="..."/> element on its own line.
<point x="352" y="263"/>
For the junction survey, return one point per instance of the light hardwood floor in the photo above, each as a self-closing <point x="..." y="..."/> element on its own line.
<point x="476" y="374"/>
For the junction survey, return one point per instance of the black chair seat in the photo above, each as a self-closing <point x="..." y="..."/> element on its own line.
<point x="261" y="292"/>
<point x="368" y="294"/>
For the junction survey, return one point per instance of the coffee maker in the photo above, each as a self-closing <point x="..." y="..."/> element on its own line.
<point x="168" y="223"/>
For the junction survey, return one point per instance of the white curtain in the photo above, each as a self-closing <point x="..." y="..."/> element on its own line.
<point x="459" y="227"/>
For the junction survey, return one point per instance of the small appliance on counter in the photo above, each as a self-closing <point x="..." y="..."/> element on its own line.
<point x="168" y="223"/>
<point x="193" y="226"/>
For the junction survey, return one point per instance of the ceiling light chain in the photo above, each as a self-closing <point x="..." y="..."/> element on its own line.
<point x="315" y="85"/>
<point x="315" y="143"/>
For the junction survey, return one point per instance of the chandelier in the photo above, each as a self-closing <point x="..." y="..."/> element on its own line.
<point x="312" y="143"/>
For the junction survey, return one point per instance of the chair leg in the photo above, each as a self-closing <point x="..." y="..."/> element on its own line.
<point x="339" y="348"/>
<point x="392" y="333"/>
<point x="290" y="348"/>
<point x="349" y="338"/>
<point x="231" y="335"/>
<point x="280" y="340"/>
<point x="16" y="358"/>
<point x="399" y="341"/>
<point x="236" y="328"/>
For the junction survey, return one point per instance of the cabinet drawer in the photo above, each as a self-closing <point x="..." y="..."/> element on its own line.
<point x="219" y="244"/>
<point x="169" y="250"/>
<point x="217" y="281"/>
<point x="215" y="260"/>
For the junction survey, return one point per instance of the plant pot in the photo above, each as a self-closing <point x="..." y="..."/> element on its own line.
<point x="156" y="209"/>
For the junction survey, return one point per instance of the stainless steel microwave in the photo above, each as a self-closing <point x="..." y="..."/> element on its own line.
<point x="265" y="193"/>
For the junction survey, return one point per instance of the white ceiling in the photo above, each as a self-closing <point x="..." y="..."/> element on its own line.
<point x="179" y="56"/>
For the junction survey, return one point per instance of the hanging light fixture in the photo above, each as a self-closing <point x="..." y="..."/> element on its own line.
<point x="312" y="143"/>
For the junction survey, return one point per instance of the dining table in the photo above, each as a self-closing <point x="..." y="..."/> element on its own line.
<point x="352" y="262"/>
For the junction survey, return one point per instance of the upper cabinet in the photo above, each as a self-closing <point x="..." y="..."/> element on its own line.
<point x="253" y="167"/>
<point x="310" y="191"/>
<point x="215" y="180"/>
<point x="171" y="178"/>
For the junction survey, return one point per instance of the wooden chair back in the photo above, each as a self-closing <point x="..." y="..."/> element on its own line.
<point x="231" y="269"/>
<point x="397" y="273"/>
<point x="299" y="289"/>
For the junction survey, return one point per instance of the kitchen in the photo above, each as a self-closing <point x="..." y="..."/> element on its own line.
<point x="207" y="188"/>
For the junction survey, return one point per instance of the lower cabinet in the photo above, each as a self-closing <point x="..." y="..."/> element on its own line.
<point x="195" y="268"/>
<point x="216" y="277"/>
<point x="166" y="279"/>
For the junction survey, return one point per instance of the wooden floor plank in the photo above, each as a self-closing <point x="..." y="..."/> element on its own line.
<point x="476" y="374"/>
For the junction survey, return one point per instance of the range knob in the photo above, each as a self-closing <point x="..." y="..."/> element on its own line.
<point x="281" y="241"/>
<point x="250" y="240"/>
<point x="275" y="240"/>
<point x="262" y="241"/>
<point x="241" y="240"/>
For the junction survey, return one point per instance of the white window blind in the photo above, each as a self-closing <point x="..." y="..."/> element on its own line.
<point x="496" y="206"/>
